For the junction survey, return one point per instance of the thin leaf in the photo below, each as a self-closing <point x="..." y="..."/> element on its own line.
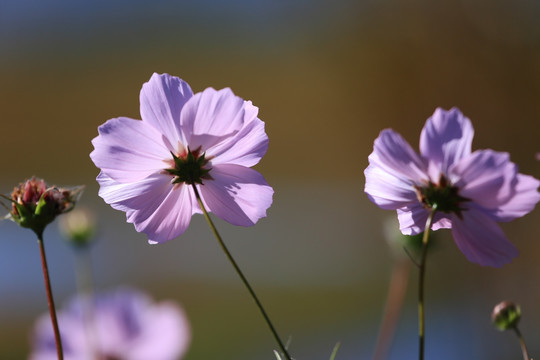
<point x="334" y="352"/>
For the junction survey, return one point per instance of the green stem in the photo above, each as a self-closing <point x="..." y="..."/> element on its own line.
<point x="239" y="272"/>
<point x="84" y="282"/>
<point x="522" y="343"/>
<point x="421" y="318"/>
<point x="50" y="300"/>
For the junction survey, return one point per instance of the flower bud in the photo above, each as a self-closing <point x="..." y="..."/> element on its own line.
<point x="34" y="205"/>
<point x="398" y="241"/>
<point x="78" y="227"/>
<point x="506" y="315"/>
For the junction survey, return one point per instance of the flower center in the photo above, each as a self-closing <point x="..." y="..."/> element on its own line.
<point x="189" y="167"/>
<point x="444" y="196"/>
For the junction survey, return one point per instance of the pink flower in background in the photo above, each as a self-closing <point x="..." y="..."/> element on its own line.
<point x="125" y="325"/>
<point x="208" y="140"/>
<point x="471" y="190"/>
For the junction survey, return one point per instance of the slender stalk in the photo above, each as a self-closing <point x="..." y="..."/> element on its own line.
<point x="421" y="317"/>
<point x="334" y="351"/>
<point x="83" y="272"/>
<point x="239" y="272"/>
<point x="50" y="300"/>
<point x="522" y="344"/>
<point x="84" y="282"/>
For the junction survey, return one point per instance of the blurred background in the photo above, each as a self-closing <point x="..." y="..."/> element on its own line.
<point x="327" y="77"/>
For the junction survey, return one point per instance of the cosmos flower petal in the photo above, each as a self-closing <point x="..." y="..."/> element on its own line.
<point x="481" y="240"/>
<point x="486" y="177"/>
<point x="162" y="99"/>
<point x="165" y="218"/>
<point x="395" y="156"/>
<point x="238" y="194"/>
<point x="445" y="139"/>
<point x="128" y="150"/>
<point x="386" y="190"/>
<point x="212" y="116"/>
<point x="126" y="324"/>
<point x="524" y="199"/>
<point x="166" y="336"/>
<point x="441" y="221"/>
<point x="413" y="218"/>
<point x="150" y="199"/>
<point x="130" y="196"/>
<point x="245" y="148"/>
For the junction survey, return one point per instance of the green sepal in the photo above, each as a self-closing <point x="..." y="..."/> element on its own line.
<point x="43" y="215"/>
<point x="189" y="170"/>
<point x="507" y="317"/>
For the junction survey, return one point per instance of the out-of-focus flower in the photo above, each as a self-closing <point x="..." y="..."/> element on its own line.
<point x="34" y="204"/>
<point x="471" y="191"/>
<point x="78" y="226"/>
<point x="208" y="140"/>
<point x="124" y="325"/>
<point x="402" y="245"/>
<point x="506" y="315"/>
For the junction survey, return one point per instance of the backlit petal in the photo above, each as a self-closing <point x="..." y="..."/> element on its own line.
<point x="486" y="177"/>
<point x="445" y="139"/>
<point x="131" y="196"/>
<point x="128" y="150"/>
<point x="165" y="218"/>
<point x="481" y="240"/>
<point x="413" y="218"/>
<point x="245" y="148"/>
<point x="388" y="191"/>
<point x="212" y="116"/>
<point x="162" y="99"/>
<point x="238" y="194"/>
<point x="156" y="207"/>
<point x="524" y="198"/>
<point x="394" y="155"/>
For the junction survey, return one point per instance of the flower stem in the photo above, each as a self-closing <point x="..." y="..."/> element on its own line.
<point x="85" y="289"/>
<point x="239" y="272"/>
<point x="421" y="320"/>
<point x="522" y="343"/>
<point x="50" y="300"/>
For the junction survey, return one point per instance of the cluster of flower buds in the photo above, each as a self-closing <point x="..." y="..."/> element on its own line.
<point x="34" y="204"/>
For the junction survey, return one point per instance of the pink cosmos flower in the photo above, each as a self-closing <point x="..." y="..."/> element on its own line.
<point x="208" y="140"/>
<point x="471" y="190"/>
<point x="124" y="324"/>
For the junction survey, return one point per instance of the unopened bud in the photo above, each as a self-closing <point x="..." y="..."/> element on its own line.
<point x="34" y="205"/>
<point x="506" y="315"/>
<point x="398" y="241"/>
<point x="78" y="226"/>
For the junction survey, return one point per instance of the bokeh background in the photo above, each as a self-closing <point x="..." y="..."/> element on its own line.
<point x="327" y="77"/>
